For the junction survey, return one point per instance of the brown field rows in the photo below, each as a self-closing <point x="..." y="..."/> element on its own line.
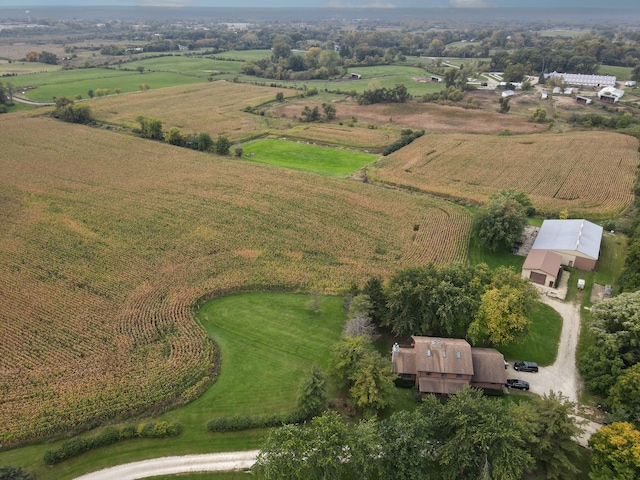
<point x="588" y="173"/>
<point x="106" y="242"/>
<point x="210" y="107"/>
<point x="420" y="116"/>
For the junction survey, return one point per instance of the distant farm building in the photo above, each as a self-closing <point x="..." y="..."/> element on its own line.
<point x="443" y="366"/>
<point x="630" y="83"/>
<point x="557" y="90"/>
<point x="508" y="93"/>
<point x="544" y="95"/>
<point x="577" y="242"/>
<point x="581" y="80"/>
<point x="583" y="100"/>
<point x="356" y="76"/>
<point x="610" y="94"/>
<point x="435" y="79"/>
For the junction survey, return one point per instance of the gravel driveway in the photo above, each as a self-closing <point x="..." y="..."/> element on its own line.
<point x="214" y="462"/>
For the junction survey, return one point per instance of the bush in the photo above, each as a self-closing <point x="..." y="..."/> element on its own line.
<point x="237" y="422"/>
<point x="109" y="436"/>
<point x="407" y="137"/>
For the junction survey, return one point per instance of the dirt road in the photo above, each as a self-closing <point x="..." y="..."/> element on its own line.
<point x="215" y="462"/>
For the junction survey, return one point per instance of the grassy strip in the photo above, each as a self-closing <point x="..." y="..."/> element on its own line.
<point x="310" y="158"/>
<point x="541" y="343"/>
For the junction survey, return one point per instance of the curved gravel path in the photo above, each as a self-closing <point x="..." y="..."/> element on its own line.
<point x="214" y="462"/>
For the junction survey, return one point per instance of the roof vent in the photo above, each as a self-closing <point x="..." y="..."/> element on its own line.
<point x="458" y="355"/>
<point x="444" y="354"/>
<point x="428" y="352"/>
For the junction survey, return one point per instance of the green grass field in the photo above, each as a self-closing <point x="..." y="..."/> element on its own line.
<point x="126" y="83"/>
<point x="622" y="73"/>
<point x="199" y="66"/>
<point x="501" y="258"/>
<point x="541" y="343"/>
<point x="388" y="71"/>
<point x="244" y="55"/>
<point x="302" y="156"/>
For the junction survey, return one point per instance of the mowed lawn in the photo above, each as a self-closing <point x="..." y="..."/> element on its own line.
<point x="541" y="343"/>
<point x="302" y="156"/>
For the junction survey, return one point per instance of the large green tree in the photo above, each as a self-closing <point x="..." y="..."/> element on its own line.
<point x="625" y="393"/>
<point x="502" y="220"/>
<point x="312" y="392"/>
<point x="553" y="444"/>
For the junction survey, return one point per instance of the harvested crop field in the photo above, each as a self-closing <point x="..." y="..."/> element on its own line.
<point x="425" y="116"/>
<point x="588" y="174"/>
<point x="108" y="241"/>
<point x="208" y="107"/>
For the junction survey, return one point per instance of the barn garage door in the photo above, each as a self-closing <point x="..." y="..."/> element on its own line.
<point x="539" y="278"/>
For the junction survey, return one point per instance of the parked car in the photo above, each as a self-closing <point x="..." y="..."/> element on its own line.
<point x="515" y="383"/>
<point x="525" y="366"/>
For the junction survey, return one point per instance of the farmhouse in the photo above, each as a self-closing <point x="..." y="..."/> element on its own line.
<point x="443" y="366"/>
<point x="577" y="242"/>
<point x="610" y="94"/>
<point x="584" y="80"/>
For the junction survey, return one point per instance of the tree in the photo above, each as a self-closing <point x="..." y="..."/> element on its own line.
<point x="279" y="97"/>
<point x="600" y="366"/>
<point x="635" y="73"/>
<point x="150" y="128"/>
<point x="360" y="324"/>
<point x="143" y="87"/>
<point x="364" y="371"/>
<point x="477" y="437"/>
<point x="47" y="57"/>
<point x="222" y="145"/>
<point x="140" y="69"/>
<point x="90" y="94"/>
<point x="317" y="452"/>
<point x="312" y="393"/>
<point x="204" y="141"/>
<point x="504" y="105"/>
<point x="513" y="73"/>
<point x="408" y="449"/>
<point x="616" y="452"/>
<point x="503" y="313"/>
<point x="173" y="136"/>
<point x="616" y="322"/>
<point x="625" y="393"/>
<point x="372" y="382"/>
<point x="554" y="430"/>
<point x="67" y="111"/>
<point x="310" y="114"/>
<point x="373" y="288"/>
<point x="540" y="115"/>
<point x="501" y="221"/>
<point x="329" y="111"/>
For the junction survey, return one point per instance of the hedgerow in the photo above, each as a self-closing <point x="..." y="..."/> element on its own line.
<point x="109" y="436"/>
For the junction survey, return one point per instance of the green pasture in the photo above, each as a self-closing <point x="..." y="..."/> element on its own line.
<point x="541" y="343"/>
<point x="622" y="73"/>
<point x="388" y="71"/>
<point x="126" y="82"/>
<point x="199" y="66"/>
<point x="60" y="77"/>
<point x="266" y="340"/>
<point x="302" y="156"/>
<point x="244" y="55"/>
<point x="501" y="258"/>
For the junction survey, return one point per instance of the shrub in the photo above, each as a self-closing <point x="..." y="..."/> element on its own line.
<point x="109" y="436"/>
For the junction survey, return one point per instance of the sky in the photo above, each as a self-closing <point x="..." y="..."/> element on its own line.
<point x="608" y="4"/>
